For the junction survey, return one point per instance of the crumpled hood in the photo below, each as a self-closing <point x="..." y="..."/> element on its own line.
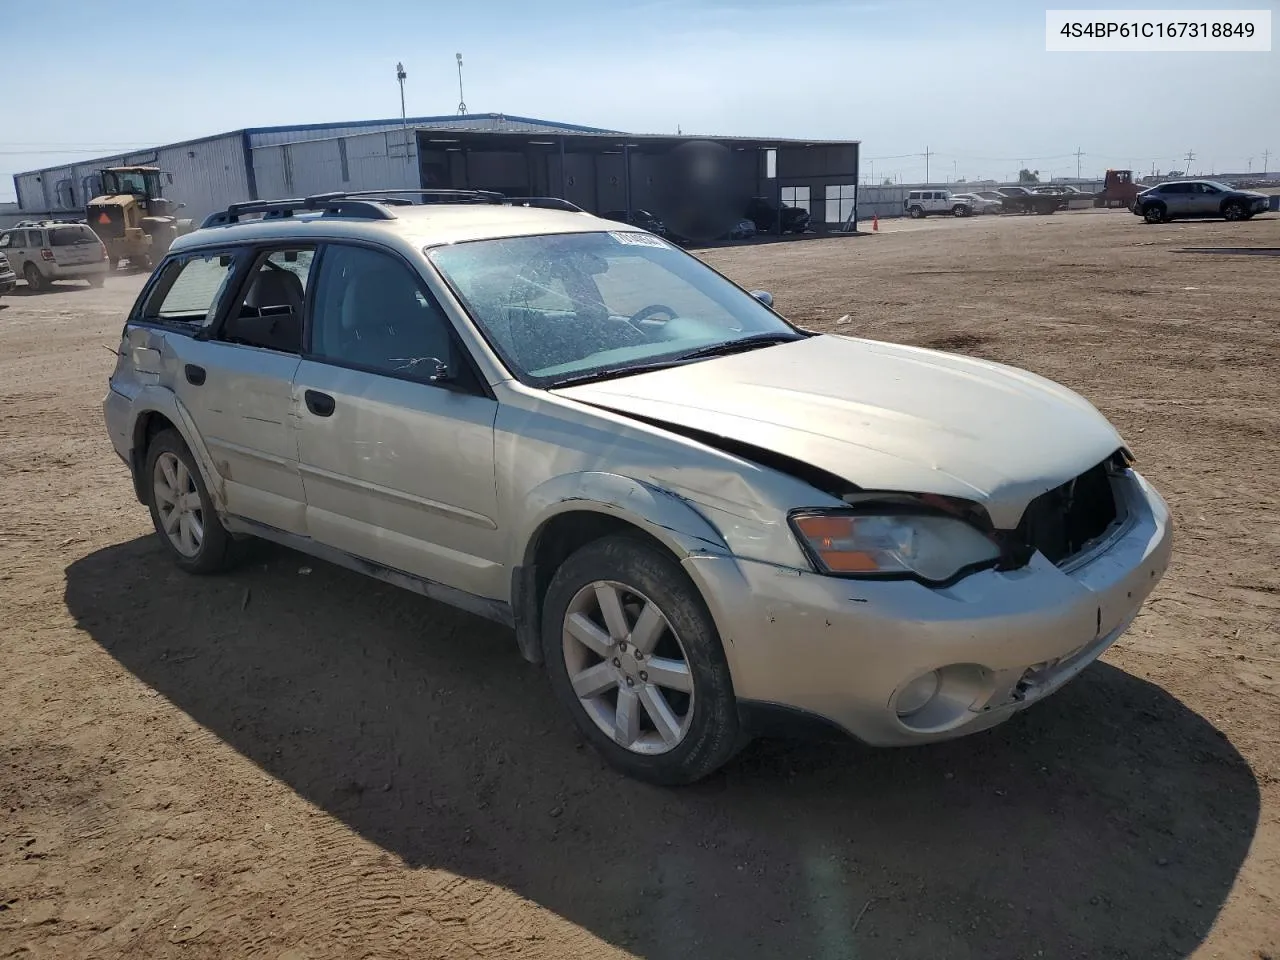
<point x="882" y="416"/>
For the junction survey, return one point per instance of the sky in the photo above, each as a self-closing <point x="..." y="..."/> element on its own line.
<point x="970" y="82"/>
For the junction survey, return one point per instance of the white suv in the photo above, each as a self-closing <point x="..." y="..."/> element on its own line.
<point x="921" y="203"/>
<point x="44" y="251"/>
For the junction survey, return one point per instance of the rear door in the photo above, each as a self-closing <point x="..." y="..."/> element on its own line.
<point x="235" y="377"/>
<point x="1177" y="198"/>
<point x="21" y="250"/>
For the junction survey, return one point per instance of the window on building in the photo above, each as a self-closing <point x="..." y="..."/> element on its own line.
<point x="796" y="197"/>
<point x="770" y="164"/>
<point x="840" y="200"/>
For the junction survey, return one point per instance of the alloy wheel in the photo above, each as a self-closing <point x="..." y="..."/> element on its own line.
<point x="628" y="667"/>
<point x="178" y="503"/>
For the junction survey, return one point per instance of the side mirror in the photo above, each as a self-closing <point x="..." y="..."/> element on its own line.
<point x="764" y="296"/>
<point x="181" y="206"/>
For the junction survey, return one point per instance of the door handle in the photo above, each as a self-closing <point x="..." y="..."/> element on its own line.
<point x="321" y="404"/>
<point x="195" y="375"/>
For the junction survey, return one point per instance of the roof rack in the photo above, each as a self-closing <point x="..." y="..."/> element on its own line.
<point x="372" y="204"/>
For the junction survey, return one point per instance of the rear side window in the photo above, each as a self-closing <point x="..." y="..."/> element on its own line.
<point x="190" y="289"/>
<point x="69" y="236"/>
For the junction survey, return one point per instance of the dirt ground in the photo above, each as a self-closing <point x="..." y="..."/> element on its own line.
<point x="294" y="762"/>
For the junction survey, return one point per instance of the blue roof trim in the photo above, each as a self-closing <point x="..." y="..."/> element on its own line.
<point x="452" y="118"/>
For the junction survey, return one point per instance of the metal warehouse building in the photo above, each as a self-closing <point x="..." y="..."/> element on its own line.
<point x="678" y="178"/>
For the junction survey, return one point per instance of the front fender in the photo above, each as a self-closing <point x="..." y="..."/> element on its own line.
<point x="667" y="517"/>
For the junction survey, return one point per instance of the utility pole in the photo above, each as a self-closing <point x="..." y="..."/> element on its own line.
<point x="1249" y="169"/>
<point x="1079" y="154"/>
<point x="462" y="101"/>
<point x="1190" y="156"/>
<point x="926" y="164"/>
<point x="955" y="171"/>
<point x="1266" y="154"/>
<point x="404" y="123"/>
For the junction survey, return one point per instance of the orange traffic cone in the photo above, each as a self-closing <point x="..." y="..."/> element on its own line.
<point x="875" y="223"/>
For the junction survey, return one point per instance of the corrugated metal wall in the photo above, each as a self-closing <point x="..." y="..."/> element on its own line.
<point x="207" y="175"/>
<point x="366" y="162"/>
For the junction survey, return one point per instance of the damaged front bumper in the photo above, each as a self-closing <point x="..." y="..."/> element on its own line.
<point x="895" y="662"/>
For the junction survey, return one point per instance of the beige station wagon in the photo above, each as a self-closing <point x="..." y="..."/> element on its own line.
<point x="703" y="520"/>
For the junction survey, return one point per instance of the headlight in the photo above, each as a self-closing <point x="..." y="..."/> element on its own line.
<point x="933" y="548"/>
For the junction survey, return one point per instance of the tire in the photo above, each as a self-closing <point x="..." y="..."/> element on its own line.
<point x="114" y="263"/>
<point x="1234" y="211"/>
<point x="1154" y="213"/>
<point x="35" y="279"/>
<point x="959" y="210"/>
<point x="97" y="280"/>
<point x="917" y="213"/>
<point x="204" y="549"/>
<point x="700" y="732"/>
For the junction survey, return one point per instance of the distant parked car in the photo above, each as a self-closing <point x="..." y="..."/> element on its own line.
<point x="8" y="279"/>
<point x="978" y="203"/>
<point x="1022" y="200"/>
<point x="921" y="203"/>
<point x="1197" y="198"/>
<point x="764" y="215"/>
<point x="743" y="230"/>
<point x="43" y="251"/>
<point x="639" y="218"/>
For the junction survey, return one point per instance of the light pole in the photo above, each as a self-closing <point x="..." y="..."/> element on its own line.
<point x="462" y="101"/>
<point x="404" y="123"/>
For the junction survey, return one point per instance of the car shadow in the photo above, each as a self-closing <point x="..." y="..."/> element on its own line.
<point x="1110" y="820"/>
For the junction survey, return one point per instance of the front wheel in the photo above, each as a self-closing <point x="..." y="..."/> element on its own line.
<point x="1234" y="211"/>
<point x="181" y="508"/>
<point x="635" y="657"/>
<point x="1155" y="213"/>
<point x="959" y="211"/>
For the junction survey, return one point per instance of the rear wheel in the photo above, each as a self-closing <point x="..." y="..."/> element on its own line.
<point x="97" y="280"/>
<point x="635" y="657"/>
<point x="181" y="508"/>
<point x="114" y="263"/>
<point x="35" y="279"/>
<point x="916" y="213"/>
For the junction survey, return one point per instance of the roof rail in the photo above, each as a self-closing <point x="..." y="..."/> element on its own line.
<point x="332" y="204"/>
<point x="372" y="204"/>
<point x="437" y="195"/>
<point x="543" y="203"/>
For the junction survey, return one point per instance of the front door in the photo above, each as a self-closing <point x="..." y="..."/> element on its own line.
<point x="398" y="467"/>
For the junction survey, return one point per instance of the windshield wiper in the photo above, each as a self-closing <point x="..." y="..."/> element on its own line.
<point x="736" y="346"/>
<point x="710" y="350"/>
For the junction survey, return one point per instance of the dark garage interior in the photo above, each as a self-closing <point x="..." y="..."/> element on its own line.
<point x="699" y="186"/>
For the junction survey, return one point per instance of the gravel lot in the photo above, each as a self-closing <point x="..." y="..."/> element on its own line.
<point x="295" y="765"/>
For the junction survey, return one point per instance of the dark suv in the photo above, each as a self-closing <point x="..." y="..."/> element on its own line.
<point x="1197" y="198"/>
<point x="764" y="215"/>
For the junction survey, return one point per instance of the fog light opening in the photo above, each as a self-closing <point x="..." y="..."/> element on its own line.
<point x="918" y="694"/>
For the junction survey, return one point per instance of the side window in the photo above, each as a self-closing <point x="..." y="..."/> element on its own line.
<point x="189" y="289"/>
<point x="269" y="314"/>
<point x="372" y="312"/>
